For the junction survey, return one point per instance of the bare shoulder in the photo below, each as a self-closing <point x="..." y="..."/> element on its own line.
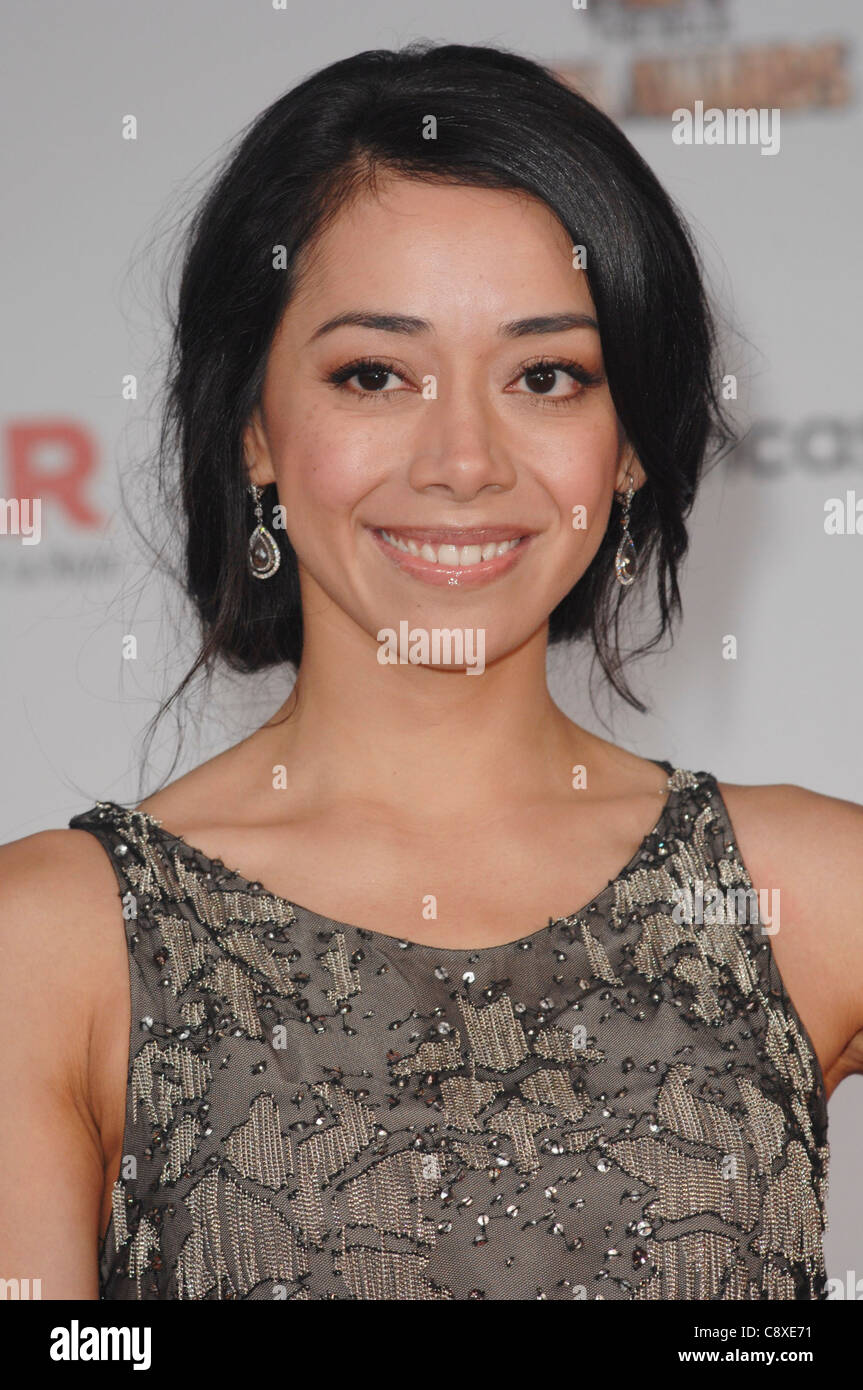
<point x="809" y="847"/>
<point x="62" y="1068"/>
<point x="60" y="944"/>
<point x="812" y="841"/>
<point x="54" y="878"/>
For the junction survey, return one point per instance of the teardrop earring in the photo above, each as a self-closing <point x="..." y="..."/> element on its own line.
<point x="625" y="559"/>
<point x="264" y="554"/>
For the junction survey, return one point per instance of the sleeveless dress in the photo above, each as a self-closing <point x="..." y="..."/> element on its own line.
<point x="623" y="1104"/>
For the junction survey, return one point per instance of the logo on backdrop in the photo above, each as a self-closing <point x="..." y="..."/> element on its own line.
<point x="818" y="445"/>
<point x="669" y="55"/>
<point x="51" y="526"/>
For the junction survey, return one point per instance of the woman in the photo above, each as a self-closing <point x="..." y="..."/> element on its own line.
<point x="442" y="392"/>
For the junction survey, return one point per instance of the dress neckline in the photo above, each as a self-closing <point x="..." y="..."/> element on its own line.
<point x="368" y="934"/>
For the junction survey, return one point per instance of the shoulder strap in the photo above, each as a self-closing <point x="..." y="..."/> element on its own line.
<point x="789" y="1044"/>
<point x="136" y="849"/>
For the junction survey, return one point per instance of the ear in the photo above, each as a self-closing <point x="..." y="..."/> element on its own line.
<point x="629" y="464"/>
<point x="256" y="451"/>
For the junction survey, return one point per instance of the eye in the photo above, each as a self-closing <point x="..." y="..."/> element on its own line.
<point x="371" y="373"/>
<point x="547" y="375"/>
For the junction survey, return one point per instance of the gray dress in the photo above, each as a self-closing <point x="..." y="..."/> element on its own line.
<point x="623" y="1104"/>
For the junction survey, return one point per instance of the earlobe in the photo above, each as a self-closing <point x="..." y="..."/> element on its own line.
<point x="256" y="453"/>
<point x="630" y="471"/>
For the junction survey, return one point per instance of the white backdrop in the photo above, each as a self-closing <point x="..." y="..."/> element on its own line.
<point x="85" y="225"/>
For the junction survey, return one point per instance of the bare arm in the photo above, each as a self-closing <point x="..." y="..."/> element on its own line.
<point x="56" y="902"/>
<point x="810" y="847"/>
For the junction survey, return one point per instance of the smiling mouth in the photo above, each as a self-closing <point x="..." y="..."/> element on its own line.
<point x="453" y="548"/>
<point x="458" y="557"/>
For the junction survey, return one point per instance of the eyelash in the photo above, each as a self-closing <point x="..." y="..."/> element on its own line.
<point x="342" y="375"/>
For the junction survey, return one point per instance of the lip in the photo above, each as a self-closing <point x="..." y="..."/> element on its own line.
<point x="460" y="577"/>
<point x="457" y="535"/>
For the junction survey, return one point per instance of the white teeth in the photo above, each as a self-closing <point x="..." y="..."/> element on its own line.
<point x="452" y="555"/>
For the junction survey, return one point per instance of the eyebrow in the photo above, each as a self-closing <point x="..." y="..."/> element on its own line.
<point x="405" y="323"/>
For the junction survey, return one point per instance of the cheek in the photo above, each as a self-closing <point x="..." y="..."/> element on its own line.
<point x="324" y="468"/>
<point x="581" y="474"/>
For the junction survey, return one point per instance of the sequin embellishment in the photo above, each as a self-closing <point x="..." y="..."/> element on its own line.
<point x="621" y="1105"/>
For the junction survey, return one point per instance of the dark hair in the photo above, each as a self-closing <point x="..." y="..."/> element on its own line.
<point x="503" y="121"/>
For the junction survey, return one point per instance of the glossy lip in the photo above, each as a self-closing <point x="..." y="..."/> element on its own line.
<point x="453" y="576"/>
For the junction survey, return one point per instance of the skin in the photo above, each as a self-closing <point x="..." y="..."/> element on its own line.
<point x="414" y="780"/>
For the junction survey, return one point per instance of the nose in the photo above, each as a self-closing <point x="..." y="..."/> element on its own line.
<point x="459" y="450"/>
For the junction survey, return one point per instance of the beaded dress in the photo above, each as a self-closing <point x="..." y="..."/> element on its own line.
<point x="623" y="1104"/>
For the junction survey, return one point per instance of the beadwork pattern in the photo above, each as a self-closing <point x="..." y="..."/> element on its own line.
<point x="620" y="1105"/>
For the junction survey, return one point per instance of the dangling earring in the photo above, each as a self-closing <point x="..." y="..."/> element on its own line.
<point x="624" y="560"/>
<point x="264" y="554"/>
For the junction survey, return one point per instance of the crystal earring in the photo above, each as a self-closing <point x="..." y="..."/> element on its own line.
<point x="264" y="554"/>
<point x="624" y="560"/>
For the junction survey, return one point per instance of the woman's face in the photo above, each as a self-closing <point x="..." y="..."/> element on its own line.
<point x="438" y="377"/>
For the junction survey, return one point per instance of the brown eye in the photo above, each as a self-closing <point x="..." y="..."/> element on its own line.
<point x="370" y="375"/>
<point x="373" y="379"/>
<point x="541" y="379"/>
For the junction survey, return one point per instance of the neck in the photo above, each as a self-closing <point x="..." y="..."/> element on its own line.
<point x="421" y="742"/>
